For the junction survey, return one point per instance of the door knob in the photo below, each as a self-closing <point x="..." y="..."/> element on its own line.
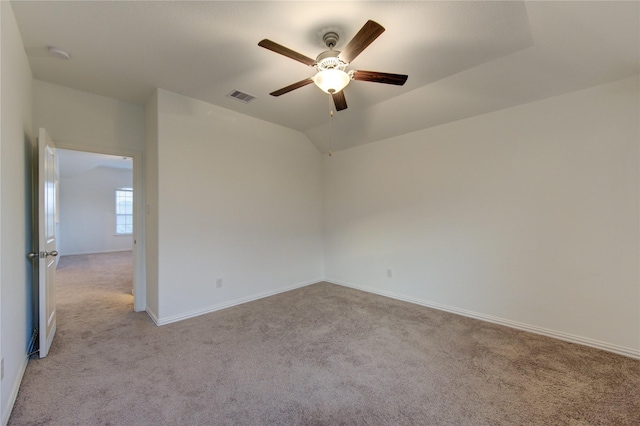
<point x="42" y="254"/>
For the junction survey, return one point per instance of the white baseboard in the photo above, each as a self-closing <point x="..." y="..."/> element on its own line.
<point x="620" y="350"/>
<point x="94" y="252"/>
<point x="231" y="303"/>
<point x="14" y="392"/>
<point x="152" y="315"/>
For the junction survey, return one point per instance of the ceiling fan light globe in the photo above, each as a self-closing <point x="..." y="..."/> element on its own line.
<point x="332" y="80"/>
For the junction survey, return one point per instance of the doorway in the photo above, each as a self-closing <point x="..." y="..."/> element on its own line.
<point x="95" y="214"/>
<point x="95" y="208"/>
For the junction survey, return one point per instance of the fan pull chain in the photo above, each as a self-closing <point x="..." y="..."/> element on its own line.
<point x="330" y="107"/>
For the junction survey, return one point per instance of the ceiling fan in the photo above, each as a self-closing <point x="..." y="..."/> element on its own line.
<point x="331" y="65"/>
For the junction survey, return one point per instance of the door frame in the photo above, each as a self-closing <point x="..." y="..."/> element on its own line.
<point x="139" y="274"/>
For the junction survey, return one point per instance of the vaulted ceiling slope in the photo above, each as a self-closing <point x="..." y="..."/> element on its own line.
<point x="463" y="58"/>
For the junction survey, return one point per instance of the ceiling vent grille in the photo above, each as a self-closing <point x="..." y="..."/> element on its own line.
<point x="241" y="96"/>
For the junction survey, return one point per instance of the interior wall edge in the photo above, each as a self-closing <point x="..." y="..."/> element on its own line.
<point x="585" y="341"/>
<point x="152" y="315"/>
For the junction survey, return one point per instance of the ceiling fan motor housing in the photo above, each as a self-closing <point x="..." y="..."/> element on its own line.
<point x="329" y="61"/>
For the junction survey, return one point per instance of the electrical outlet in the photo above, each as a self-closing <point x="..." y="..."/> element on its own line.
<point x="389" y="273"/>
<point x="218" y="282"/>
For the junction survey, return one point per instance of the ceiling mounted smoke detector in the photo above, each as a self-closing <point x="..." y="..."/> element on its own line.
<point x="59" y="53"/>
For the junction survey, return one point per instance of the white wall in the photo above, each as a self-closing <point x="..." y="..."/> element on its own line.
<point x="238" y="199"/>
<point x="78" y="118"/>
<point x="15" y="208"/>
<point x="87" y="211"/>
<point x="526" y="216"/>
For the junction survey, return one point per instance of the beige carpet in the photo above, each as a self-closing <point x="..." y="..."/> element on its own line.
<point x="320" y="355"/>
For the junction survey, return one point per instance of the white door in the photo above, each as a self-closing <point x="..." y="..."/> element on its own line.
<point x="46" y="240"/>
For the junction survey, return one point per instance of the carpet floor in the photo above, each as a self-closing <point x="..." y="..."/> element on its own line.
<point x="318" y="355"/>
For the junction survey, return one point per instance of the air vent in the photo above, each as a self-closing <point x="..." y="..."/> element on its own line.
<point x="241" y="96"/>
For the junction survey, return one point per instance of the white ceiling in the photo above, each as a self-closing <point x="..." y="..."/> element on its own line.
<point x="73" y="163"/>
<point x="463" y="58"/>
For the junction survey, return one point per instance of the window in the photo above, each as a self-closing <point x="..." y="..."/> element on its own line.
<point x="124" y="211"/>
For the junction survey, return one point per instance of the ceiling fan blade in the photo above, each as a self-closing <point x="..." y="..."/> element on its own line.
<point x="369" y="32"/>
<point x="293" y="86"/>
<point x="380" y="77"/>
<point x="339" y="100"/>
<point x="275" y="47"/>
